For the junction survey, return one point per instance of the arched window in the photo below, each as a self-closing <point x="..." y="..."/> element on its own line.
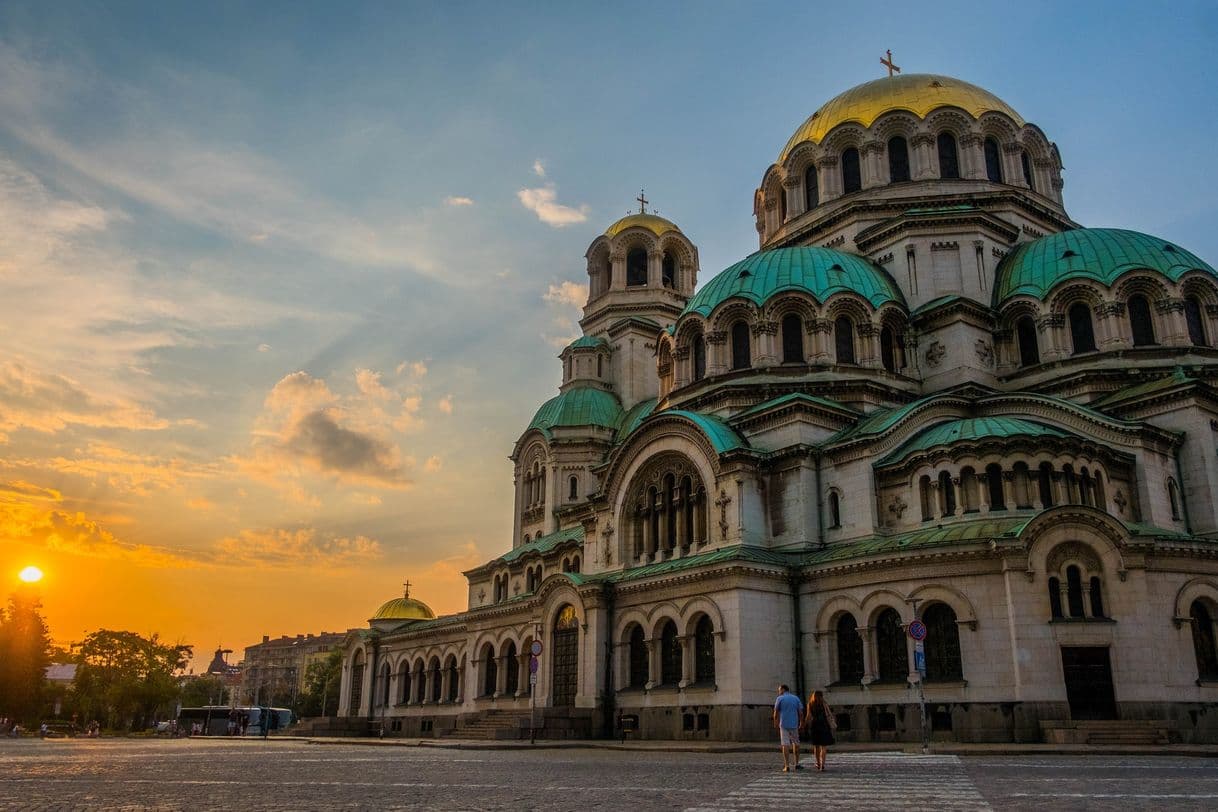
<point x="1203" y="640"/>
<point x="638" y="658"/>
<point x="1140" y="322"/>
<point x="949" y="160"/>
<point x="1029" y="349"/>
<point x="947" y="493"/>
<point x="852" y="178"/>
<point x="636" y="267"/>
<point x="926" y="498"/>
<point x="575" y="565"/>
<point x="670" y="655"/>
<point x="668" y="270"/>
<point x="454" y="680"/>
<point x="1045" y="483"/>
<point x="781" y="197"/>
<point x="835" y="510"/>
<point x="811" y="188"/>
<point x="898" y="160"/>
<point x="1084" y="488"/>
<point x="1070" y="484"/>
<point x="942" y="644"/>
<point x="418" y="683"/>
<point x="843" y="340"/>
<point x="1081" y="333"/>
<point x="1173" y="497"/>
<point x="384" y="692"/>
<point x="993" y="481"/>
<point x="512" y="677"/>
<point x="890" y="646"/>
<point x="704" y="651"/>
<point x="404" y="683"/>
<point x="573" y="488"/>
<point x="491" y="673"/>
<point x="1097" y="597"/>
<point x="1074" y="591"/>
<point x="849" y="650"/>
<point x="888" y="349"/>
<point x="1055" y="597"/>
<point x="1026" y="163"/>
<point x="598" y="366"/>
<point x="1196" y="327"/>
<point x="699" y="358"/>
<point x="993" y="161"/>
<point x="670" y="519"/>
<point x="792" y="339"/>
<point x="434" y="669"/>
<point x="741" y="352"/>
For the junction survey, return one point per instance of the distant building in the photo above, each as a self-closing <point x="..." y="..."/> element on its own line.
<point x="273" y="671"/>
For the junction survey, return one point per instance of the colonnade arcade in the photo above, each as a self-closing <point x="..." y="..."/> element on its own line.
<point x="666" y="510"/>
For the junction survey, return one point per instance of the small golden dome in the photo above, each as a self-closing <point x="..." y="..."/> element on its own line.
<point x="919" y="93"/>
<point x="404" y="608"/>
<point x="652" y="222"/>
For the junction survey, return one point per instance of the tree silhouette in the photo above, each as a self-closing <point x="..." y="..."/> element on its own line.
<point x="25" y="653"/>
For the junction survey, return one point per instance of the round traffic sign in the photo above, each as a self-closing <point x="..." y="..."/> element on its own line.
<point x="917" y="630"/>
<point x="535" y="649"/>
<point x="532" y="665"/>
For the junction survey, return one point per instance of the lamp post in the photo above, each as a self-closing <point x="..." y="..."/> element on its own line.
<point x="916" y="676"/>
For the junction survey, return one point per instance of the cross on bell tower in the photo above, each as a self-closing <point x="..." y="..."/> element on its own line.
<point x="643" y="201"/>
<point x="887" y="62"/>
<point x="406" y="589"/>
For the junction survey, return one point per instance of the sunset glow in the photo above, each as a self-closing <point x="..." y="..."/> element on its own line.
<point x="30" y="575"/>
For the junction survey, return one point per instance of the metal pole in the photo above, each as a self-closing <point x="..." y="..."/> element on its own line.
<point x="913" y="602"/>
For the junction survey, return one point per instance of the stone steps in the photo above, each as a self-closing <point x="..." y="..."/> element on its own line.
<point x="1131" y="732"/>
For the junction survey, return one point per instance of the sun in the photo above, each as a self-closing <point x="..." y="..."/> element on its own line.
<point x="30" y="575"/>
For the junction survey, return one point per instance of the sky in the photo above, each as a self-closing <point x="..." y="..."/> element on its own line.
<point x="281" y="283"/>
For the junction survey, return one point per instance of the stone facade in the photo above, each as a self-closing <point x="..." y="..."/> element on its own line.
<point x="931" y="396"/>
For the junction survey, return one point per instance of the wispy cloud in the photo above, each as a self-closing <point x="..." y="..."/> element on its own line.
<point x="48" y="403"/>
<point x="445" y="404"/>
<point x="539" y="168"/>
<point x="304" y="547"/>
<point x="458" y="201"/>
<point x="543" y="201"/>
<point x="567" y="293"/>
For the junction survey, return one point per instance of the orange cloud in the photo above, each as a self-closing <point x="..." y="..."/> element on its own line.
<point x="48" y="403"/>
<point x="295" y="548"/>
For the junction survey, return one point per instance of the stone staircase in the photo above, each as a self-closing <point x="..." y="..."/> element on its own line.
<point x="1112" y="732"/>
<point x="332" y="726"/>
<point x="490" y="725"/>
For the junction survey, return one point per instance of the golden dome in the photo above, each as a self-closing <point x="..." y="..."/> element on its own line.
<point x="919" y="93"/>
<point x="406" y="608"/>
<point x="652" y="222"/>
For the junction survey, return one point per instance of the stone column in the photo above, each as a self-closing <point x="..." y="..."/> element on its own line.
<point x="617" y="271"/>
<point x="763" y="340"/>
<point x="983" y="492"/>
<point x="819" y="330"/>
<point x="653" y="663"/>
<point x="1008" y="489"/>
<point x="716" y="350"/>
<point x="687" y="661"/>
<point x="793" y="187"/>
<point x="869" y="674"/>
<point x="959" y="511"/>
<point x="683" y="372"/>
<point x="503" y="663"/>
<point x="922" y="156"/>
<point x="871" y="156"/>
<point x="522" y="674"/>
<point x="655" y="268"/>
<point x="936" y="499"/>
<point x="445" y="684"/>
<point x="1175" y="328"/>
<point x="868" y="344"/>
<point x="972" y="157"/>
<point x="1012" y="166"/>
<point x="827" y="178"/>
<point x="1049" y="328"/>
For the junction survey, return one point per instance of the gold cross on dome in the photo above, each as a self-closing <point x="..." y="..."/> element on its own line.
<point x="406" y="589"/>
<point x="887" y="62"/>
<point x="643" y="201"/>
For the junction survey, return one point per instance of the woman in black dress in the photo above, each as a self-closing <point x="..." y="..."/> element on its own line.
<point x="820" y="724"/>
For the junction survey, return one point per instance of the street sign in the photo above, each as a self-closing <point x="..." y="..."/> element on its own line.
<point x="917" y="630"/>
<point x="532" y="665"/>
<point x="535" y="649"/>
<point x="920" y="654"/>
<point x="533" y="678"/>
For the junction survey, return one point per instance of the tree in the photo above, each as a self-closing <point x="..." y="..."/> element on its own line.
<point x="24" y="656"/>
<point x="322" y="678"/>
<point x="123" y="678"/>
<point x="205" y="689"/>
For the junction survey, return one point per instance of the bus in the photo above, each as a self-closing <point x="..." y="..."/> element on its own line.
<point x="221" y="720"/>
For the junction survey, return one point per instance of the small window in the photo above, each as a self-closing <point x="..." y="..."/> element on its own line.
<point x="668" y="273"/>
<point x="1026" y="163"/>
<point x="792" y="339"/>
<point x="947" y="493"/>
<point x="1196" y="326"/>
<point x="835" y="514"/>
<point x="598" y="366"/>
<point x="1173" y="497"/>
<point x="670" y="655"/>
<point x="888" y="349"/>
<point x="1045" y="483"/>
<point x="811" y="188"/>
<point x="843" y="339"/>
<point x="704" y="651"/>
<point x="638" y="658"/>
<point x="573" y="488"/>
<point x="852" y="179"/>
<point x="993" y="161"/>
<point x="636" y="267"/>
<point x="890" y="646"/>
<point x="898" y="160"/>
<point x="1081" y="332"/>
<point x="741" y="351"/>
<point x="1055" y="597"/>
<point x="949" y="160"/>
<point x="993" y="478"/>
<point x="699" y="358"/>
<point x="849" y="650"/>
<point x="1097" y="597"/>
<point x="1204" y="648"/>
<point x="1140" y="323"/>
<point x="1029" y="349"/>
<point x="1074" y="591"/>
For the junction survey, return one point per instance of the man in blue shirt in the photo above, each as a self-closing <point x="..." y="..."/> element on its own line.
<point x="788" y="715"/>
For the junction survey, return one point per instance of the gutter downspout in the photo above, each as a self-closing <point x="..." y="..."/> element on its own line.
<point x="609" y="726"/>
<point x="820" y="505"/>
<point x="797" y="631"/>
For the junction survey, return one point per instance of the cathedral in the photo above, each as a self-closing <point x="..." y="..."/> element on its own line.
<point x="930" y="405"/>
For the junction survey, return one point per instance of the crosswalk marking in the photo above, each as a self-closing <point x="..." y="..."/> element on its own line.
<point x="870" y="781"/>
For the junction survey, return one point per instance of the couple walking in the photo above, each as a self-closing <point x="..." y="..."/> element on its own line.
<point x="790" y="717"/>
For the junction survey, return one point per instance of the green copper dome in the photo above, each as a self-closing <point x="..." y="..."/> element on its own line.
<point x="970" y="430"/>
<point x="1102" y="254"/>
<point x="581" y="406"/>
<point x="821" y="272"/>
<point x="587" y="342"/>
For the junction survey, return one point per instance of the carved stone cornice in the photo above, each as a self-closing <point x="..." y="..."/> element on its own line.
<point x="1050" y="320"/>
<point x="1169" y="305"/>
<point x="681" y="353"/>
<point x="715" y="337"/>
<point x="768" y="328"/>
<point x="921" y="139"/>
<point x="1106" y="309"/>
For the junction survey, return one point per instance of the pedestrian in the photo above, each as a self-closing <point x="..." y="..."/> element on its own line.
<point x="820" y="724"/>
<point x="788" y="716"/>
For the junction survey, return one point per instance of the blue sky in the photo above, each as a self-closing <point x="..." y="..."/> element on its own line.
<point x="235" y="237"/>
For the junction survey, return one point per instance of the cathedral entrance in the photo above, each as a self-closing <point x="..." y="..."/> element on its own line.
<point x="566" y="657"/>
<point x="1088" y="673"/>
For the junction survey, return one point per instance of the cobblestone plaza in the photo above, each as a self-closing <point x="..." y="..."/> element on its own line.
<point x="285" y="774"/>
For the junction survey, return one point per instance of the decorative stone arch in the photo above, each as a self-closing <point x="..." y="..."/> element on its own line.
<point x="660" y="614"/>
<point x="1105" y="535"/>
<point x="833" y="609"/>
<point x="629" y="619"/>
<point x="1202" y="587"/>
<point x="929" y="594"/>
<point x="731" y="311"/>
<point x="1032" y="139"/>
<point x="1200" y="284"/>
<point x="801" y="158"/>
<point x="1145" y="281"/>
<point x="557" y="592"/>
<point x="690" y="328"/>
<point x="884" y="598"/>
<point x="894" y="123"/>
<point x="1088" y="291"/>
<point x="952" y="120"/>
<point x="1015" y="309"/>
<point x="799" y="302"/>
<point x="842" y="137"/>
<point x="999" y="126"/>
<point x="482" y="638"/>
<point x="695" y="608"/>
<point x="851" y="305"/>
<point x="650" y="469"/>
